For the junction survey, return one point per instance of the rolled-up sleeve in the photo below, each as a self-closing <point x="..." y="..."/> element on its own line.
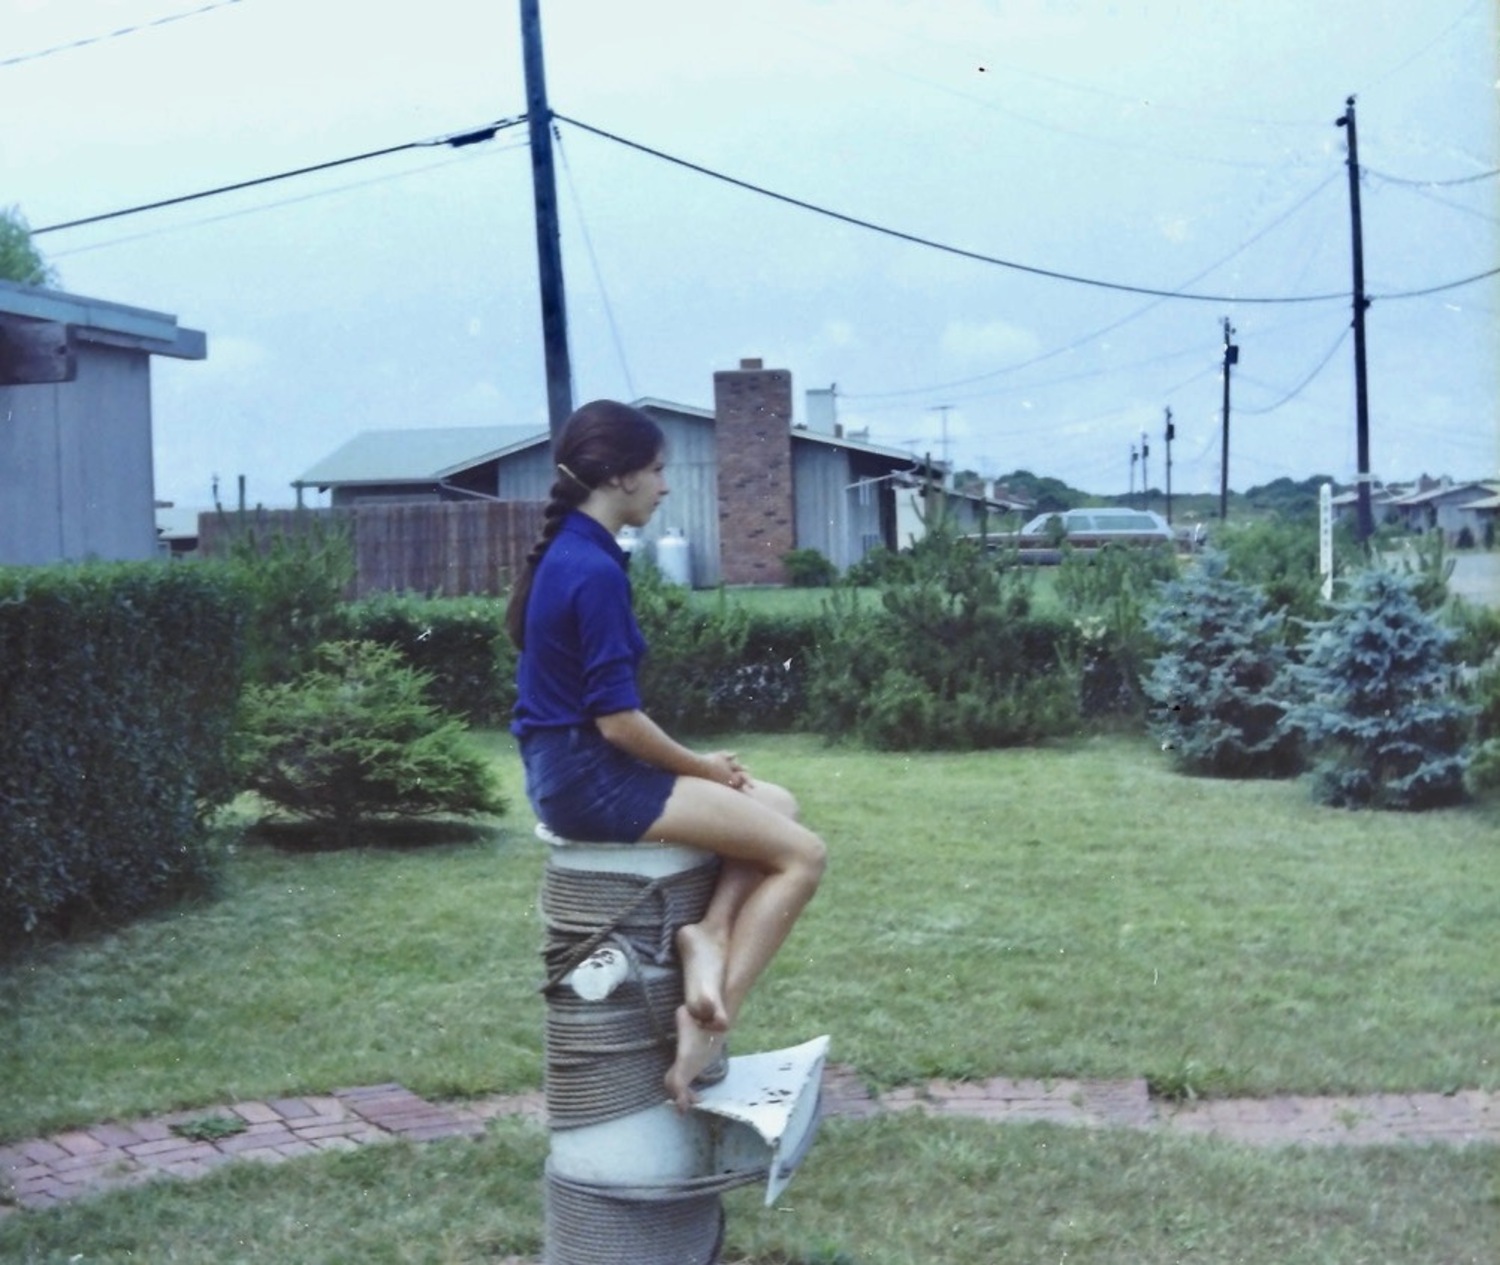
<point x="611" y="644"/>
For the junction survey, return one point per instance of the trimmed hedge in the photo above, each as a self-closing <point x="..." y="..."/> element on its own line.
<point x="118" y="692"/>
<point x="459" y="642"/>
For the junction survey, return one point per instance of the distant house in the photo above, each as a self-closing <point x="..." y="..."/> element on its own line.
<point x="1449" y="508"/>
<point x="747" y="485"/>
<point x="76" y="477"/>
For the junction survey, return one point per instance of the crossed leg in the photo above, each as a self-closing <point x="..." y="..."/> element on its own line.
<point x="772" y="867"/>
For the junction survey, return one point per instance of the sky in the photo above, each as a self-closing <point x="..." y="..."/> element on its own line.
<point x="1165" y="146"/>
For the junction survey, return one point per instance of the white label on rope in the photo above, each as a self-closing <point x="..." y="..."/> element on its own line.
<point x="598" y="975"/>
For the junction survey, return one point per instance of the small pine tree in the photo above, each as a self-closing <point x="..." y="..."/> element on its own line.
<point x="1221" y="652"/>
<point x="1374" y="701"/>
<point x="356" y="738"/>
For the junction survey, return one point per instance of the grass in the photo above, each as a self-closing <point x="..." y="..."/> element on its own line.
<point x="891" y="1191"/>
<point x="1077" y="911"/>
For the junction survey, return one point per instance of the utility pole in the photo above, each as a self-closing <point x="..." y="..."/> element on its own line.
<point x="1145" y="478"/>
<point x="1134" y="457"/>
<point x="548" y="238"/>
<point x="1365" y="518"/>
<point x="944" y="409"/>
<point x="1171" y="434"/>
<point x="1231" y="357"/>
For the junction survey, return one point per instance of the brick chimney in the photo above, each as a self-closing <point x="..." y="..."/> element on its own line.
<point x="753" y="424"/>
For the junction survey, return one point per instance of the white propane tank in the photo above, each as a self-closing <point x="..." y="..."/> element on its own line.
<point x="674" y="558"/>
<point x="629" y="540"/>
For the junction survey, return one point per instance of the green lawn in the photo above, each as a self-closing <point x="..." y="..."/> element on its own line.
<point x="891" y="1191"/>
<point x="1079" y="911"/>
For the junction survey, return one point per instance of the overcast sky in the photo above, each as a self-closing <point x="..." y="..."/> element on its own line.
<point x="1186" y="147"/>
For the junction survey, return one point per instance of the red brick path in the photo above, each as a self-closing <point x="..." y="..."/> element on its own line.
<point x="46" y="1171"/>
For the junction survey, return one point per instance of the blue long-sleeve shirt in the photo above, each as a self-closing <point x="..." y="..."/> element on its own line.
<point x="583" y="644"/>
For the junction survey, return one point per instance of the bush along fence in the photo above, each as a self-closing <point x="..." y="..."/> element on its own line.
<point x="119" y="686"/>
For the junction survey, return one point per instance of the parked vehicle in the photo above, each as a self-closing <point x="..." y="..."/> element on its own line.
<point x="1043" y="539"/>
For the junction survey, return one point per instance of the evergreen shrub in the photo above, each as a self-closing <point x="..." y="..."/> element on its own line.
<point x="952" y="658"/>
<point x="1375" y="700"/>
<point x="118" y="691"/>
<point x="1213" y="686"/>
<point x="808" y="569"/>
<point x="356" y="738"/>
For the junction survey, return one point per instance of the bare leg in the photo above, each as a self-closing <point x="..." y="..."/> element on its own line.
<point x="697" y="1047"/>
<point x="780" y="865"/>
<point x="703" y="946"/>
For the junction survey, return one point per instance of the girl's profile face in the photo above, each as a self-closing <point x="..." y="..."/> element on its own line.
<point x="642" y="491"/>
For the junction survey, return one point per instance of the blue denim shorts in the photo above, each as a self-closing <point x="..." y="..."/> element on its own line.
<point x="583" y="787"/>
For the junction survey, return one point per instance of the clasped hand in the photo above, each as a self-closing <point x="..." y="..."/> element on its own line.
<point x="728" y="770"/>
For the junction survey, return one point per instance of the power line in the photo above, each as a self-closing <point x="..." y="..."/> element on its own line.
<point x="588" y="242"/>
<point x="1301" y="386"/>
<point x="960" y="251"/>
<point x="1430" y="184"/>
<point x="115" y="34"/>
<point x="1085" y="339"/>
<point x="456" y="140"/>
<point x="332" y="191"/>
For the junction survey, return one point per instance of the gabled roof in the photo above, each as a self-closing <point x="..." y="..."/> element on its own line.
<point x="858" y="445"/>
<point x="1472" y="490"/>
<point x="417" y="456"/>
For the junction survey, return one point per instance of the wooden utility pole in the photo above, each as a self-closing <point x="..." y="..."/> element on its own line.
<point x="548" y="238"/>
<point x="1170" y="435"/>
<point x="1231" y="357"/>
<point x="1145" y="478"/>
<point x="1364" y="517"/>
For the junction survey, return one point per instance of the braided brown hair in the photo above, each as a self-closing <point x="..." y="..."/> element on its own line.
<point x="601" y="440"/>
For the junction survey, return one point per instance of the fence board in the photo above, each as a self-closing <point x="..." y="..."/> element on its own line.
<point x="436" y="549"/>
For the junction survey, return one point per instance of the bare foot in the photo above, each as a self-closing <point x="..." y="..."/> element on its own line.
<point x="697" y="1047"/>
<point x="703" y="977"/>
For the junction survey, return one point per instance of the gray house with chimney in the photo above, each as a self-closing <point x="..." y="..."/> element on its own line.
<point x="747" y="484"/>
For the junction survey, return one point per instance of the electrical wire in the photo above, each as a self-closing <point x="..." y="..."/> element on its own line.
<point x="1085" y="339"/>
<point x="456" y="140"/>
<point x="110" y="35"/>
<point x="283" y="202"/>
<point x="588" y="243"/>
<point x="1428" y="184"/>
<point x="1301" y="386"/>
<point x="960" y="251"/>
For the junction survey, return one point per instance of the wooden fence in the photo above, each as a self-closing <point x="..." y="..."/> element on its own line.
<point x="436" y="549"/>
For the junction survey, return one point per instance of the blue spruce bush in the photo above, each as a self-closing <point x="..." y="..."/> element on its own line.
<point x="1375" y="702"/>
<point x="1212" y="686"/>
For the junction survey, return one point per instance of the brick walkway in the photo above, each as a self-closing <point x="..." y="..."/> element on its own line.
<point x="47" y="1171"/>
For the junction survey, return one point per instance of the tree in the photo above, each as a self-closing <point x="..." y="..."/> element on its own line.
<point x="1215" y="708"/>
<point x="1374" y="701"/>
<point x="356" y="738"/>
<point x="19" y="258"/>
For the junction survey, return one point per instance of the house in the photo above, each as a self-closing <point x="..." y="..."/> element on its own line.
<point x="747" y="484"/>
<point x="76" y="477"/>
<point x="1450" y="508"/>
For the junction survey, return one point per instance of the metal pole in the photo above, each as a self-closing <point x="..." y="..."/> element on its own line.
<point x="548" y="238"/>
<point x="1365" y="516"/>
